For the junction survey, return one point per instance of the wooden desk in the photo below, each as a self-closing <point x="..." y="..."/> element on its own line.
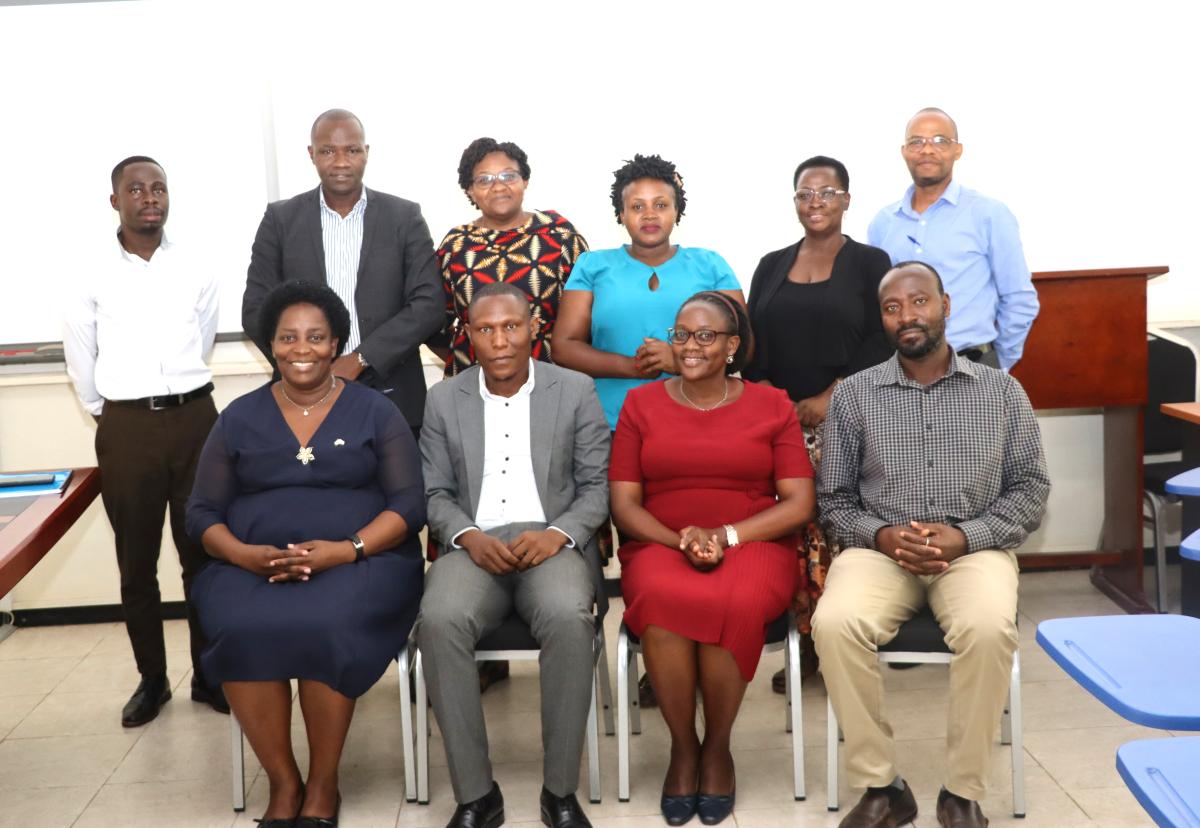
<point x="1189" y="412"/>
<point x="26" y="538"/>
<point x="1087" y="349"/>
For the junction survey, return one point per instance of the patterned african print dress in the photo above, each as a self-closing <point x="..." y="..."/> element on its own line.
<point x="536" y="257"/>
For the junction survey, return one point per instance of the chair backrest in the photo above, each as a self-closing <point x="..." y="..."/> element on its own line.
<point x="1172" y="374"/>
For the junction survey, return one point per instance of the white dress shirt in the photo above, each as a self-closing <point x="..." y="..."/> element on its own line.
<point x="509" y="492"/>
<point x="135" y="328"/>
<point x="342" y="239"/>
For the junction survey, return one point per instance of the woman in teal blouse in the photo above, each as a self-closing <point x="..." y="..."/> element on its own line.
<point x="617" y="305"/>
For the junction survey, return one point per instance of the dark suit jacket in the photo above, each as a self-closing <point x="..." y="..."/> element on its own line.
<point x="569" y="441"/>
<point x="398" y="295"/>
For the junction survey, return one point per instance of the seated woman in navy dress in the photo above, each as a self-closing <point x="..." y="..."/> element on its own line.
<point x="309" y="497"/>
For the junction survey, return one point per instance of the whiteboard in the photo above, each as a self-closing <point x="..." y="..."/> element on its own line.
<point x="1078" y="116"/>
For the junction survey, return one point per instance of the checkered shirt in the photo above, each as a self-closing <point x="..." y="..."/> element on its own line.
<point x="965" y="451"/>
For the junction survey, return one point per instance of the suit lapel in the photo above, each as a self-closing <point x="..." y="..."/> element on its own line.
<point x="370" y="223"/>
<point x="314" y="232"/>
<point x="469" y="408"/>
<point x="543" y="425"/>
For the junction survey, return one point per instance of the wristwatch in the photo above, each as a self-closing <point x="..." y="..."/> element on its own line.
<point x="731" y="537"/>
<point x="362" y="360"/>
<point x="360" y="548"/>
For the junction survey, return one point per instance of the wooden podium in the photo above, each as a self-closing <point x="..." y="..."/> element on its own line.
<point x="1087" y="349"/>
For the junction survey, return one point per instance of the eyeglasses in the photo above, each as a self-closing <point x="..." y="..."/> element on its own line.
<point x="824" y="196"/>
<point x="486" y="180"/>
<point x="941" y="143"/>
<point x="704" y="336"/>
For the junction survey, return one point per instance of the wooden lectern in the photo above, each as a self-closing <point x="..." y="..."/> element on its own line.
<point x="1087" y="349"/>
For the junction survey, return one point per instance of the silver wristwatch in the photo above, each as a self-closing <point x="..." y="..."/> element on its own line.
<point x="731" y="537"/>
<point x="362" y="360"/>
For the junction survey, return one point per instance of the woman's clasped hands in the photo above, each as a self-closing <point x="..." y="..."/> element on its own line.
<point x="298" y="562"/>
<point x="704" y="548"/>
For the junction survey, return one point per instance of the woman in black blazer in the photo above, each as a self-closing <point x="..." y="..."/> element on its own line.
<point x="814" y="308"/>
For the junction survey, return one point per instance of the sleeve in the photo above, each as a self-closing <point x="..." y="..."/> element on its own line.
<point x="758" y="369"/>
<point x="591" y="451"/>
<point x="400" y="468"/>
<point x="626" y="462"/>
<point x="877" y="230"/>
<point x="80" y="350"/>
<point x="874" y="347"/>
<point x="1024" y="486"/>
<point x="723" y="277"/>
<point x="582" y="275"/>
<point x="216" y="483"/>
<point x="1017" y="300"/>
<point x="445" y="253"/>
<point x="791" y="456"/>
<point x="446" y="518"/>
<point x="207" y="310"/>
<point x="837" y="480"/>
<point x="423" y="312"/>
<point x="264" y="275"/>
<point x="574" y="245"/>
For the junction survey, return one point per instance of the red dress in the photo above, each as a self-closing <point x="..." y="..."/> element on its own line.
<point x="708" y="468"/>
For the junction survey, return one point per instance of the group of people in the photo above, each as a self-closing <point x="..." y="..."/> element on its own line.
<point x="633" y="385"/>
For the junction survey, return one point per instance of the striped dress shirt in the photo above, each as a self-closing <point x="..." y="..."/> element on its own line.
<point x="965" y="450"/>
<point x="342" y="240"/>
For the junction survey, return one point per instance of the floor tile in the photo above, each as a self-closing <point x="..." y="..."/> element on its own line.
<point x="175" y="756"/>
<point x="1083" y="758"/>
<point x="13" y="709"/>
<point x="187" y="804"/>
<point x="74" y="714"/>
<point x="115" y="671"/>
<point x="61" y="761"/>
<point x="60" y="642"/>
<point x="1111" y="807"/>
<point x="28" y="676"/>
<point x="30" y="807"/>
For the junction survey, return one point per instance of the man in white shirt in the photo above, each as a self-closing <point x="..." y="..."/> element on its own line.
<point x="515" y="457"/>
<point x="137" y="336"/>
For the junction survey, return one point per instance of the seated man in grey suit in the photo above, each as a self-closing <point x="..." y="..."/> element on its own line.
<point x="515" y="456"/>
<point x="372" y="248"/>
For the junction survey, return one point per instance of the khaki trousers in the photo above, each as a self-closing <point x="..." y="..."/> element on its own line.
<point x="867" y="597"/>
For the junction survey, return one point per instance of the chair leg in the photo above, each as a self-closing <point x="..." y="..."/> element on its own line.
<point x="795" y="708"/>
<point x="787" y="686"/>
<point x="623" y="701"/>
<point x="831" y="757"/>
<point x="593" y="748"/>
<point x="606" y="696"/>
<point x="1160" y="551"/>
<point x="422" y="734"/>
<point x="1018" y="740"/>
<point x="404" y="668"/>
<point x="239" y="765"/>
<point x="635" y="693"/>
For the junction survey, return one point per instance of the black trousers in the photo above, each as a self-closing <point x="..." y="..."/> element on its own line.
<point x="147" y="465"/>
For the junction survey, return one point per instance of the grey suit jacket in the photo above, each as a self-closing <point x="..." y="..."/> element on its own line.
<point x="398" y="296"/>
<point x="569" y="441"/>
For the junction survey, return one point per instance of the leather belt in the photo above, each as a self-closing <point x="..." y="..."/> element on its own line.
<point x="974" y="352"/>
<point x="166" y="400"/>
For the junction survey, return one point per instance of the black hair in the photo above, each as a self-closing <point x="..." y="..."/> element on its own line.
<point x="133" y="159"/>
<point x="499" y="289"/>
<point x="336" y="115"/>
<point x="914" y="263"/>
<point x="475" y="152"/>
<point x="647" y="166"/>
<point x="737" y="318"/>
<point x="290" y="294"/>
<point x="823" y="161"/>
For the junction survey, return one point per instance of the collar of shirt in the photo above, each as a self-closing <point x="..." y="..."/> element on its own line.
<point x="359" y="206"/>
<point x="893" y="374"/>
<point x="525" y="390"/>
<point x="951" y="196"/>
<point x="133" y="258"/>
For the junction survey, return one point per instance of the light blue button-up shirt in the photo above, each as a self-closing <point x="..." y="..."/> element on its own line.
<point x="973" y="242"/>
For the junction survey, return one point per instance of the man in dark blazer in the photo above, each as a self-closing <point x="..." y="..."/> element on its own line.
<point x="515" y="457"/>
<point x="372" y="248"/>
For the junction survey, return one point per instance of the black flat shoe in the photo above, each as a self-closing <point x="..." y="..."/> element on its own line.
<point x="485" y="812"/>
<point x="677" y="810"/>
<point x="321" y="822"/>
<point x="562" y="811"/>
<point x="714" y="808"/>
<point x="214" y="697"/>
<point x="146" y="701"/>
<point x="276" y="823"/>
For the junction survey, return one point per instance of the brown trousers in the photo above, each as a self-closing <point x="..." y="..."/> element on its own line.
<point x="147" y="464"/>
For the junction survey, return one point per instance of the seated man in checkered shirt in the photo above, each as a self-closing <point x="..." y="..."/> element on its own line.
<point x="932" y="475"/>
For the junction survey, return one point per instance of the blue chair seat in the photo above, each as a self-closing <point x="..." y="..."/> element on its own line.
<point x="1164" y="775"/>
<point x="1186" y="484"/>
<point x="1190" y="547"/>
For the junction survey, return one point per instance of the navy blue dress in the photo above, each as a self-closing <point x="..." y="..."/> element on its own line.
<point x="343" y="626"/>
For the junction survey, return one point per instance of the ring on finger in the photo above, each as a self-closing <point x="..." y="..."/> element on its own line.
<point x="927" y="540"/>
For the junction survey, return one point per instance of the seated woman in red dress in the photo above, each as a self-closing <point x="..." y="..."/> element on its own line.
<point x="710" y="482"/>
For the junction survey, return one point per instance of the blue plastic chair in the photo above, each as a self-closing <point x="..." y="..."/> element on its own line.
<point x="1186" y="484"/>
<point x="1164" y="775"/>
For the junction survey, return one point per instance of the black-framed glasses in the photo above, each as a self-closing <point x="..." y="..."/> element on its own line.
<point x="678" y="336"/>
<point x="486" y="180"/>
<point x="825" y="196"/>
<point x="941" y="143"/>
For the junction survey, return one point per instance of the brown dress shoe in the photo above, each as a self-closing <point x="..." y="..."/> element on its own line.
<point x="877" y="809"/>
<point x="956" y="812"/>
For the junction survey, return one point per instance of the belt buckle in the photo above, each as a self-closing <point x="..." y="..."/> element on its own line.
<point x="154" y="406"/>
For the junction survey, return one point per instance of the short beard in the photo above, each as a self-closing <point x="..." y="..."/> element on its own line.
<point x="932" y="341"/>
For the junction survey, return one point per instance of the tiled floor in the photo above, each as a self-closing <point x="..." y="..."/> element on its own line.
<point x="66" y="761"/>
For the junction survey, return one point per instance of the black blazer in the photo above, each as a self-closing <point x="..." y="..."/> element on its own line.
<point x="398" y="295"/>
<point x="851" y="335"/>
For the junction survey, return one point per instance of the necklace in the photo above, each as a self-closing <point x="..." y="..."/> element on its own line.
<point x="304" y="409"/>
<point x="720" y="402"/>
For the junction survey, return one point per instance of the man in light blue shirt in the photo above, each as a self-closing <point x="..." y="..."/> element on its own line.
<point x="970" y="239"/>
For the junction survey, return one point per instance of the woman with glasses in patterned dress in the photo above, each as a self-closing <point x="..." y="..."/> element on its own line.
<point x="814" y="309"/>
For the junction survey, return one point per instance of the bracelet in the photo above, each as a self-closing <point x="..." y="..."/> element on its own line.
<point x="731" y="535"/>
<point x="360" y="548"/>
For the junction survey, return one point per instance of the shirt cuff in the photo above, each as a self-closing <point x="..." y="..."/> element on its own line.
<point x="865" y="529"/>
<point x="978" y="533"/>
<point x="570" y="540"/>
<point x="454" y="544"/>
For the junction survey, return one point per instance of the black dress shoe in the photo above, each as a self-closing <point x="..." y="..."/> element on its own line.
<point x="562" y="811"/>
<point x="214" y="697"/>
<point x="882" y="808"/>
<point x="321" y="822"/>
<point x="485" y="812"/>
<point x="677" y="810"/>
<point x="956" y="812"/>
<point x="146" y="701"/>
<point x="714" y="808"/>
<point x="276" y="823"/>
